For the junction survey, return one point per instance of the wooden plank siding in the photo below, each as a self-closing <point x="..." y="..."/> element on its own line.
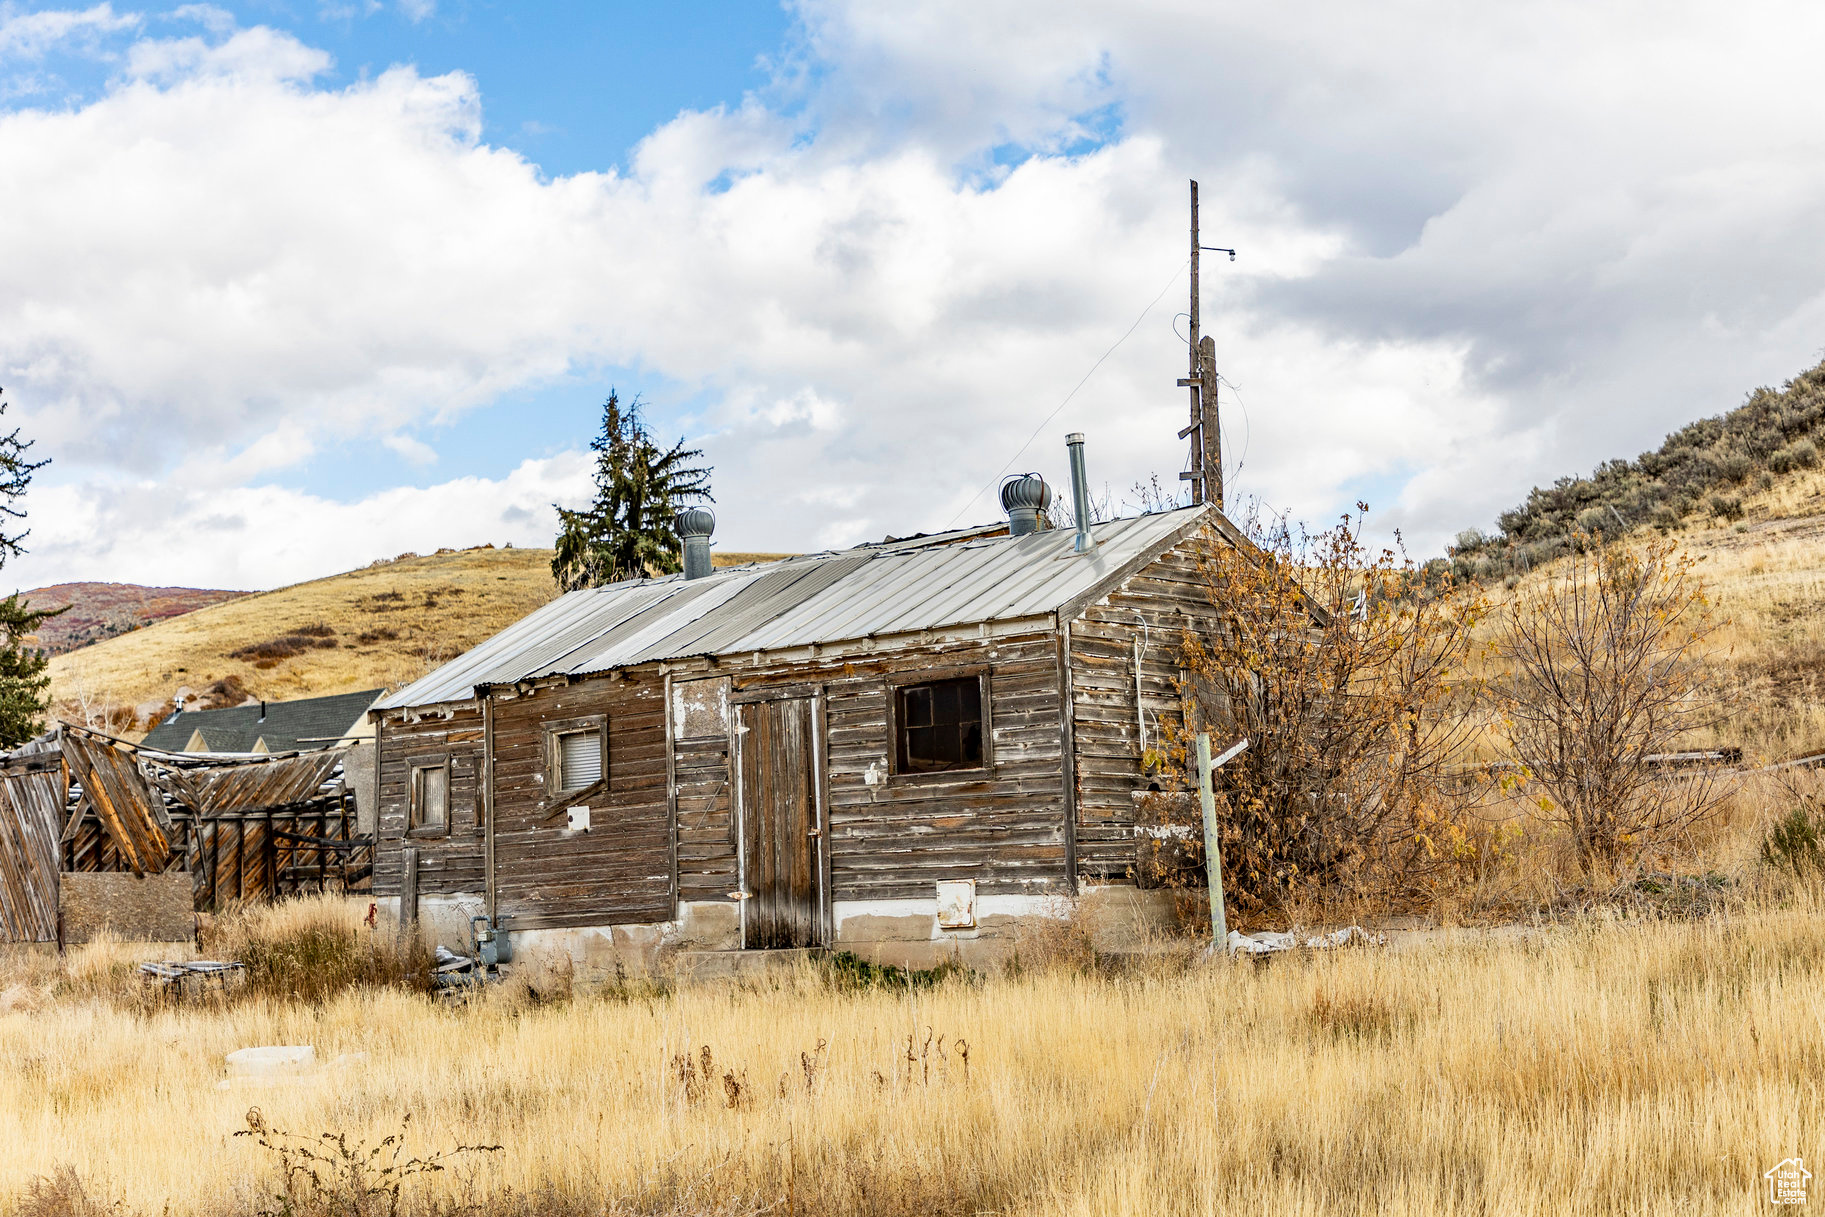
<point x="1155" y="605"/>
<point x="31" y="820"/>
<point x="707" y="868"/>
<point x="894" y="837"/>
<point x="890" y="836"/>
<point x="620" y="871"/>
<point x="450" y="862"/>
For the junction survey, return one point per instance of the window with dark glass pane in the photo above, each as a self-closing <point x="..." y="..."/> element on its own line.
<point x="940" y="726"/>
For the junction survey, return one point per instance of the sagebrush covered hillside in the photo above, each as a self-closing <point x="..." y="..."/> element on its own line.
<point x="95" y="611"/>
<point x="1744" y="492"/>
<point x="1705" y="471"/>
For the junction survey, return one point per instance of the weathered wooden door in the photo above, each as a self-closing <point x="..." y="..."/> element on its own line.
<point x="781" y="829"/>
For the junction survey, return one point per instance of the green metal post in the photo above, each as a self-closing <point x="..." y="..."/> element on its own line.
<point x="1213" y="854"/>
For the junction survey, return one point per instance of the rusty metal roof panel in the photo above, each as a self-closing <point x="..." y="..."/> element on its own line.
<point x="950" y="579"/>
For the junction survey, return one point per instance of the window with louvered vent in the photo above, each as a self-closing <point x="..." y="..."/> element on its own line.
<point x="579" y="759"/>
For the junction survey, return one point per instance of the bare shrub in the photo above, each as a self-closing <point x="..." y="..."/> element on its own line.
<point x="1347" y="672"/>
<point x="220" y="694"/>
<point x="328" y="1176"/>
<point x="1606" y="675"/>
<point x="62" y="1193"/>
<point x="287" y="646"/>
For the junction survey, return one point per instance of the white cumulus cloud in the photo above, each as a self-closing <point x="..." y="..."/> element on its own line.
<point x="31" y="35"/>
<point x="263" y="536"/>
<point x="1479" y="248"/>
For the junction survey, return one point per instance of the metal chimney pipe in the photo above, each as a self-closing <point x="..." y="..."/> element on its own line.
<point x="1080" y="493"/>
<point x="695" y="524"/>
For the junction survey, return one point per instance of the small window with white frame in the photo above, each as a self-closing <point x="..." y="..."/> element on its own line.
<point x="430" y="810"/>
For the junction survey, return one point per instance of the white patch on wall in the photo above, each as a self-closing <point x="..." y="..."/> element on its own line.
<point x="579" y="819"/>
<point x="872" y="776"/>
<point x="700" y="708"/>
<point x="956" y="904"/>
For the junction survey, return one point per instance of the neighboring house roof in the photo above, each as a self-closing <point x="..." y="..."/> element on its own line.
<point x="275" y="726"/>
<point x="891" y="588"/>
<point x="218" y="739"/>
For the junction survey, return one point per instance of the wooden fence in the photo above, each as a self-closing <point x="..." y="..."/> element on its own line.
<point x="250" y="856"/>
<point x="31" y="816"/>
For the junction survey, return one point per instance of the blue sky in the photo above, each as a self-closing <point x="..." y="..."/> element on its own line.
<point x="285" y="288"/>
<point x="572" y="88"/>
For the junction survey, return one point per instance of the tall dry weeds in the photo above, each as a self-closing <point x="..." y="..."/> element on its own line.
<point x="311" y="948"/>
<point x="1601" y="1067"/>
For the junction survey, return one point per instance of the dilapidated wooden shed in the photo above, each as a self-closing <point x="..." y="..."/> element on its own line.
<point x="78" y="806"/>
<point x="905" y="749"/>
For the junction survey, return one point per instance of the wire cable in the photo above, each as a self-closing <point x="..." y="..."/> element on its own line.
<point x="1248" y="432"/>
<point x="1044" y="423"/>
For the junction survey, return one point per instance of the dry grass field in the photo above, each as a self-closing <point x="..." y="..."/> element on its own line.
<point x="1652" y="1048"/>
<point x="388" y="624"/>
<point x="1596" y="1067"/>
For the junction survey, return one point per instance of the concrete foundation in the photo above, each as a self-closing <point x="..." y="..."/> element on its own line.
<point x="905" y="933"/>
<point x="442" y="920"/>
<point x="594" y="953"/>
<point x="133" y="908"/>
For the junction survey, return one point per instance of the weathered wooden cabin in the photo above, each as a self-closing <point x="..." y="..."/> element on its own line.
<point x="904" y="749"/>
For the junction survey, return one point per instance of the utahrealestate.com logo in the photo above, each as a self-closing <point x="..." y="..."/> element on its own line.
<point x="1787" y="1182"/>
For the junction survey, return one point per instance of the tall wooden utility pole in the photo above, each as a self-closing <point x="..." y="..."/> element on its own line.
<point x="1205" y="471"/>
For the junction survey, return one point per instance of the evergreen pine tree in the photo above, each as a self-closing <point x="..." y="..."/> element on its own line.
<point x="24" y="684"/>
<point x="630" y="529"/>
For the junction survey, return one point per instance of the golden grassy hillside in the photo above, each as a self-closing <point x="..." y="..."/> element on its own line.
<point x="1766" y="577"/>
<point x="383" y="625"/>
<point x="1599" y="1068"/>
<point x="1767" y="573"/>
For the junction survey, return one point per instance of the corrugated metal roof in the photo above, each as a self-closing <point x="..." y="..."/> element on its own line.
<point x="893" y="588"/>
